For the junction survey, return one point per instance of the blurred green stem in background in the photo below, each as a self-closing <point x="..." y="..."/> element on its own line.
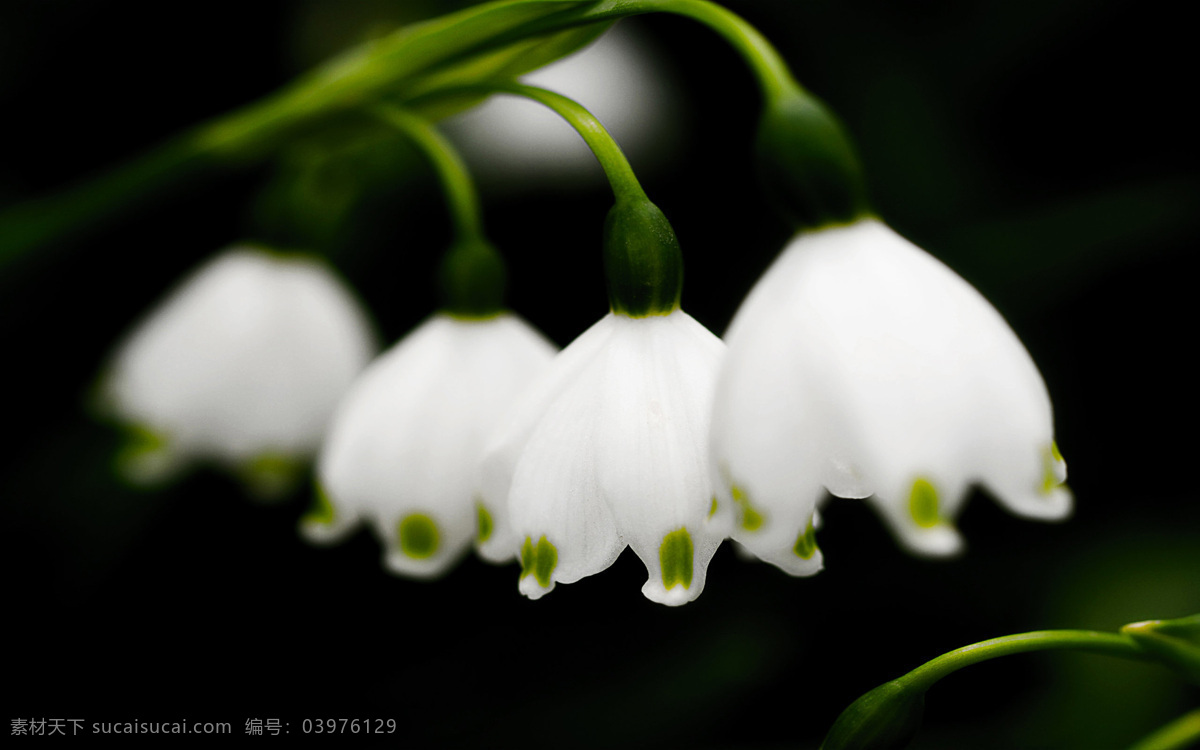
<point x="889" y="716"/>
<point x="462" y="199"/>
<point x="499" y="40"/>
<point x="1180" y="734"/>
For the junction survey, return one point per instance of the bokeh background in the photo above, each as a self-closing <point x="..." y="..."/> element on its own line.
<point x="1045" y="150"/>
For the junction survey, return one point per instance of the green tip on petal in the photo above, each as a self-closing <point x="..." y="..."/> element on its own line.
<point x="752" y="519"/>
<point x="712" y="509"/>
<point x="923" y="504"/>
<point x="484" y="522"/>
<point x="1051" y="458"/>
<point x="806" y="542"/>
<point x="675" y="557"/>
<point x="269" y="476"/>
<point x="322" y="511"/>
<point x="538" y="561"/>
<point x="418" y="536"/>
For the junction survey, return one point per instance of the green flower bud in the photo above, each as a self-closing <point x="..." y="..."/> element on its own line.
<point x="887" y="718"/>
<point x="1176" y="643"/>
<point x="473" y="278"/>
<point x="642" y="261"/>
<point x="808" y="164"/>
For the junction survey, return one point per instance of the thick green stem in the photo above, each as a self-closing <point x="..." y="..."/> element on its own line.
<point x="461" y="196"/>
<point x="1110" y="644"/>
<point x="625" y="185"/>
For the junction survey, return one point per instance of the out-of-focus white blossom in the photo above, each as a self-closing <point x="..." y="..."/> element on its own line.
<point x="241" y="366"/>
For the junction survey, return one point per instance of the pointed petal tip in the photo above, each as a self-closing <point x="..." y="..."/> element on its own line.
<point x="532" y="589"/>
<point x="324" y="533"/>
<point x="676" y="596"/>
<point x="941" y="540"/>
<point x="396" y="562"/>
<point x="1057" y="504"/>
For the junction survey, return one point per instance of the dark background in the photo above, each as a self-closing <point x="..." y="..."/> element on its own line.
<point x="1045" y="150"/>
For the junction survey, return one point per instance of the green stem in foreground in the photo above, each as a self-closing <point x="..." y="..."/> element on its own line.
<point x="1091" y="641"/>
<point x="772" y="73"/>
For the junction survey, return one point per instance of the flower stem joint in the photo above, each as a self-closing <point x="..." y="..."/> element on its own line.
<point x="642" y="260"/>
<point x="473" y="279"/>
<point x="808" y="164"/>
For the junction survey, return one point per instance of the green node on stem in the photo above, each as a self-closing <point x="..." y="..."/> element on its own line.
<point x="807" y="163"/>
<point x="473" y="279"/>
<point x="643" y="265"/>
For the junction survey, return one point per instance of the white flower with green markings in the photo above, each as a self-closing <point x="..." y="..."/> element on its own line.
<point x="861" y="365"/>
<point x="608" y="450"/>
<point x="404" y="449"/>
<point x="240" y="366"/>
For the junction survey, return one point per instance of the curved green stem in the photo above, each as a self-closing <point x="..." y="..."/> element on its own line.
<point x="625" y="185"/>
<point x="773" y="75"/>
<point x="461" y="196"/>
<point x="1180" y="734"/>
<point x="1110" y="644"/>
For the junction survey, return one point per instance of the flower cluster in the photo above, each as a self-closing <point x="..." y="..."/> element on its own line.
<point x="858" y="366"/>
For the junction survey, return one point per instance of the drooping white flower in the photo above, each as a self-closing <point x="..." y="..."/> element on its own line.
<point x="862" y="365"/>
<point x="404" y="449"/>
<point x="241" y="365"/>
<point x="609" y="449"/>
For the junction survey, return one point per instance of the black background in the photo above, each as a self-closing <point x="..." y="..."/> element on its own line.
<point x="1045" y="150"/>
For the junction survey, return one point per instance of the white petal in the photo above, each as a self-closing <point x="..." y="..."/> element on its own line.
<point x="889" y="374"/>
<point x="542" y="464"/>
<point x="652" y="447"/>
<point x="406" y="443"/>
<point x="243" y="362"/>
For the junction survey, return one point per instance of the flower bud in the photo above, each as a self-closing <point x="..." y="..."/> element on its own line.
<point x="642" y="261"/>
<point x="887" y="718"/>
<point x="808" y="164"/>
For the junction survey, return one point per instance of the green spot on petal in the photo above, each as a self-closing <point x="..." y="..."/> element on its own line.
<point x="675" y="557"/>
<point x="484" y="521"/>
<point x="752" y="519"/>
<point x="923" y="504"/>
<point x="322" y="510"/>
<point x="712" y="510"/>
<point x="418" y="536"/>
<point x="538" y="561"/>
<point x="1055" y="452"/>
<point x="806" y="542"/>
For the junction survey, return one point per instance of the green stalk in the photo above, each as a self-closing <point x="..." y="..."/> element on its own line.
<point x="461" y="196"/>
<point x="1091" y="641"/>
<point x="624" y="182"/>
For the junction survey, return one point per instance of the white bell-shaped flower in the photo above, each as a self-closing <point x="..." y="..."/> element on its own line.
<point x="609" y="449"/>
<point x="404" y="449"/>
<point x="241" y="366"/>
<point x="861" y="365"/>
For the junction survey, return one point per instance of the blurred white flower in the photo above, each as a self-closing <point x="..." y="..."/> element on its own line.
<point x="241" y="365"/>
<point x="404" y="449"/>
<point x="609" y="449"/>
<point x="862" y="365"/>
<point x="617" y="78"/>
